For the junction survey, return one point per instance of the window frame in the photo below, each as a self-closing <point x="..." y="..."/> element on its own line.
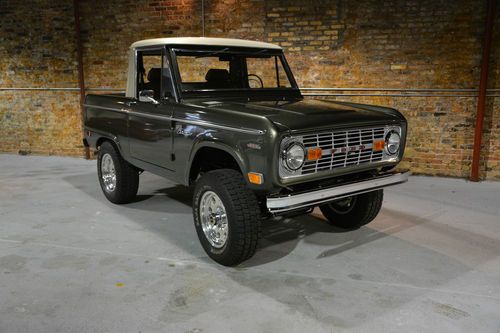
<point x="164" y="53"/>
<point x="292" y="91"/>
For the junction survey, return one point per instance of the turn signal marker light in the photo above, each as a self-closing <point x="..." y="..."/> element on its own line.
<point x="378" y="145"/>
<point x="314" y="154"/>
<point x="255" y="178"/>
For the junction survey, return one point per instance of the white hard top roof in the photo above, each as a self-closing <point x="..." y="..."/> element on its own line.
<point x="204" y="41"/>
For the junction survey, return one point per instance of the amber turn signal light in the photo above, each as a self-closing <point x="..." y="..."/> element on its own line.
<point x="255" y="178"/>
<point x="378" y="145"/>
<point x="314" y="154"/>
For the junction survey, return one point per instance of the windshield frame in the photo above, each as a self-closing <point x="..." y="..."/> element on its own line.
<point x="284" y="92"/>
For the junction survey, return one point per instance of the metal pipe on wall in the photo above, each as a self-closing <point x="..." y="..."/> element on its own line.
<point x="203" y="18"/>
<point x="404" y="92"/>
<point x="59" y="89"/>
<point x="483" y="83"/>
<point x="399" y="89"/>
<point x="79" y="55"/>
<point x="398" y="95"/>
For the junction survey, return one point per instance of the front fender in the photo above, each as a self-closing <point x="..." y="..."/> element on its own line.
<point x="203" y="141"/>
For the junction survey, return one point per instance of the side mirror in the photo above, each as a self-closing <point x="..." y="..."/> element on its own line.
<point x="148" y="96"/>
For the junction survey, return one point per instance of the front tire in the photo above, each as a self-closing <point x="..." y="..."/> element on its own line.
<point x="226" y="216"/>
<point x="355" y="211"/>
<point x="119" y="180"/>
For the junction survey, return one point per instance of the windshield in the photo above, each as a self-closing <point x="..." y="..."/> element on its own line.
<point x="230" y="70"/>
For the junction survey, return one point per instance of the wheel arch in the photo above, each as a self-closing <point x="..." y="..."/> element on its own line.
<point x="221" y="156"/>
<point x="113" y="141"/>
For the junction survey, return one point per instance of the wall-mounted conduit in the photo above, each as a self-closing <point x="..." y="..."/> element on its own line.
<point x="81" y="79"/>
<point x="339" y="91"/>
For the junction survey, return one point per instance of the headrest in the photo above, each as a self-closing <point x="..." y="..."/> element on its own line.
<point x="154" y="75"/>
<point x="218" y="75"/>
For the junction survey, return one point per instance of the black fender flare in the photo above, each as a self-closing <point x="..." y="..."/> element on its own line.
<point x="100" y="137"/>
<point x="198" y="145"/>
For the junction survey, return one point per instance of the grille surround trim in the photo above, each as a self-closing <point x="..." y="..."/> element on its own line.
<point x="343" y="149"/>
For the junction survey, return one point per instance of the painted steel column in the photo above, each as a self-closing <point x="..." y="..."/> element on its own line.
<point x="202" y="18"/>
<point x="81" y="79"/>
<point x="483" y="83"/>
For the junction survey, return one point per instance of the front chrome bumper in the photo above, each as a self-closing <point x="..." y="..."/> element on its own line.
<point x="307" y="199"/>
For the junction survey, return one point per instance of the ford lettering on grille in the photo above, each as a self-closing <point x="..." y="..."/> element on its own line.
<point x="343" y="148"/>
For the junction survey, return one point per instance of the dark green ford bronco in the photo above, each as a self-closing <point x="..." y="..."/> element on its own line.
<point x="227" y="117"/>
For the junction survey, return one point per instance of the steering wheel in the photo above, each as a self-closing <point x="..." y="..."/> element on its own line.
<point x="258" y="79"/>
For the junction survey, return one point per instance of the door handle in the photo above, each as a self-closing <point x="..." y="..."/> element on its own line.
<point x="130" y="103"/>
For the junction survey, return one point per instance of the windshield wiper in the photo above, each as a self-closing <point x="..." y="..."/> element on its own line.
<point x="259" y="52"/>
<point x="212" y="53"/>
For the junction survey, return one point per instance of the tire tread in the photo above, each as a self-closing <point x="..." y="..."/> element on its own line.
<point x="127" y="175"/>
<point x="246" y="224"/>
<point x="367" y="208"/>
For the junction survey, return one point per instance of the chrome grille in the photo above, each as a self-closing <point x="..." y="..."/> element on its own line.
<point x="343" y="148"/>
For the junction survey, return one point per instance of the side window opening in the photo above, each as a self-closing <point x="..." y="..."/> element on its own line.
<point x="153" y="73"/>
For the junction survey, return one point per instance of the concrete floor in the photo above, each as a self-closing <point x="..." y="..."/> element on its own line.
<point x="70" y="261"/>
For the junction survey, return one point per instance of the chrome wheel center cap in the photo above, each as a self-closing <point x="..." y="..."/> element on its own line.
<point x="213" y="219"/>
<point x="108" y="173"/>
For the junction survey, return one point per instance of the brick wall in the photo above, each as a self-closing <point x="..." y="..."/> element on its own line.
<point x="120" y="23"/>
<point x="405" y="44"/>
<point x="37" y="50"/>
<point x="491" y="150"/>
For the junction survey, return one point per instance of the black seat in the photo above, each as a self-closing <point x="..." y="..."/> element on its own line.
<point x="154" y="78"/>
<point x="218" y="78"/>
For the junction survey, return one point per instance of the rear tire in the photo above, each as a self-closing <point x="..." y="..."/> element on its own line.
<point x="119" y="180"/>
<point x="226" y="216"/>
<point x="353" y="212"/>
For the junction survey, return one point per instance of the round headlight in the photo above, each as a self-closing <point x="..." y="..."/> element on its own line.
<point x="294" y="156"/>
<point x="392" y="142"/>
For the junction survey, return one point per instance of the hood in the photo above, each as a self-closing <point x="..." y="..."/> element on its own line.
<point x="301" y="115"/>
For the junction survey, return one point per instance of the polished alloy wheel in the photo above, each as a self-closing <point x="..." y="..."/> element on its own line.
<point x="343" y="206"/>
<point x="108" y="172"/>
<point x="214" y="219"/>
